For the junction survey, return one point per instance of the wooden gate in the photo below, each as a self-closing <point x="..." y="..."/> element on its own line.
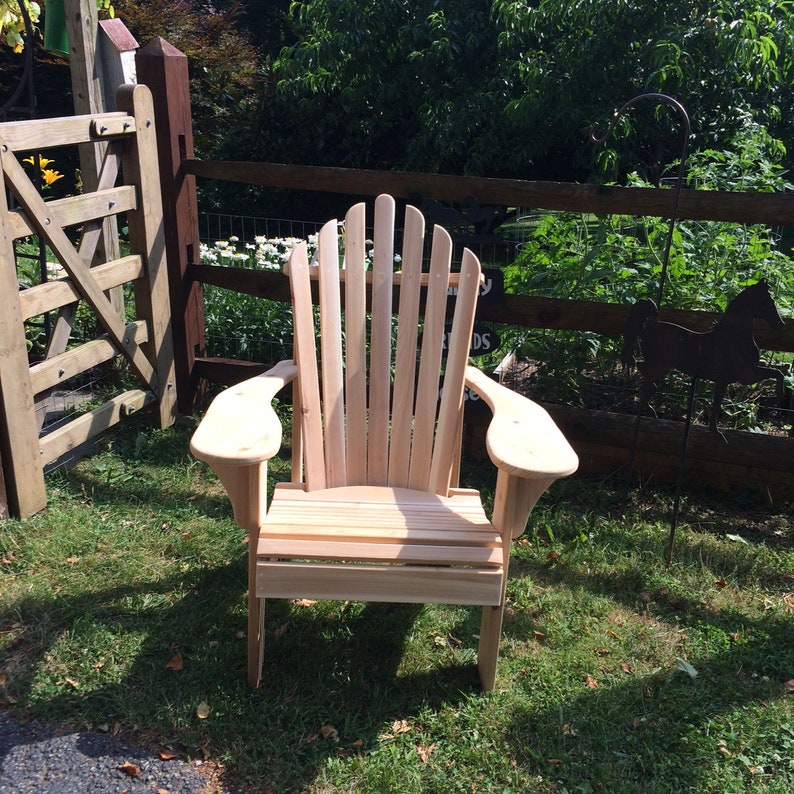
<point x="128" y="186"/>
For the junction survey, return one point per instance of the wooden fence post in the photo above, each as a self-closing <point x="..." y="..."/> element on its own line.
<point x="164" y="69"/>
<point x="19" y="432"/>
<point x="85" y="69"/>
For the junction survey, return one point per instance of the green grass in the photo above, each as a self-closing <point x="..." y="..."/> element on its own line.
<point x="137" y="561"/>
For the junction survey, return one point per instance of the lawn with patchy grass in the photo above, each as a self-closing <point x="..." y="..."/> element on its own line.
<point x="122" y="608"/>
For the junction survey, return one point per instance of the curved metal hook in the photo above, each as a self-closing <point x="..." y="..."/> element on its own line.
<point x="674" y="103"/>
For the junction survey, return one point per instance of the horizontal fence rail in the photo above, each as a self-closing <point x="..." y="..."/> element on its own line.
<point x="523" y="310"/>
<point x="773" y="209"/>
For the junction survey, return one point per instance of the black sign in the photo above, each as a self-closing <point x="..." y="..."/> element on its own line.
<point x="492" y="290"/>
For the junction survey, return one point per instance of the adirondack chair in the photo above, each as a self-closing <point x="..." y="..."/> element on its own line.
<point x="375" y="512"/>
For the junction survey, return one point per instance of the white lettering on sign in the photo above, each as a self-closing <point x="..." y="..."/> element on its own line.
<point x="482" y="341"/>
<point x="485" y="288"/>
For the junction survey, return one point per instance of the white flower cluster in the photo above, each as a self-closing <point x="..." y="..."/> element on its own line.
<point x="267" y="253"/>
<point x="263" y="254"/>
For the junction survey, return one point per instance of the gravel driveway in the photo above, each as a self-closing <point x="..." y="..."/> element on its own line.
<point x="38" y="759"/>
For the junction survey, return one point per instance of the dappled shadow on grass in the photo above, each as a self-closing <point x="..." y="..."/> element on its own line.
<point x="335" y="675"/>
<point x="330" y="683"/>
<point x="607" y="727"/>
<point x="656" y="733"/>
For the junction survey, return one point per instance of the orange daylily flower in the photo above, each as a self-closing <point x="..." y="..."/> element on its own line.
<point x="50" y="175"/>
<point x="42" y="162"/>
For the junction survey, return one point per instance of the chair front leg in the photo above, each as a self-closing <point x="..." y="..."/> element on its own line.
<point x="256" y="617"/>
<point x="514" y="499"/>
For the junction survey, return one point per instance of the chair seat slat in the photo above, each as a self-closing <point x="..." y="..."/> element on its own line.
<point x="388" y="533"/>
<point x="351" y="551"/>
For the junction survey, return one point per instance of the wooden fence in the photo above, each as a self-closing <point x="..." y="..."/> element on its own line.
<point x="128" y="183"/>
<point x="164" y="70"/>
<point x="601" y="439"/>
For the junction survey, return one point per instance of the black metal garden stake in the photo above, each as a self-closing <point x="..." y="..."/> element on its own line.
<point x="684" y="116"/>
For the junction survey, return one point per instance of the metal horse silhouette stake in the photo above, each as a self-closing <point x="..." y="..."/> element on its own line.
<point x="726" y="354"/>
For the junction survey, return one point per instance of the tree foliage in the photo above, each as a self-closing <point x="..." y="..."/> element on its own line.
<point x="12" y="22"/>
<point x="510" y="87"/>
<point x="223" y="60"/>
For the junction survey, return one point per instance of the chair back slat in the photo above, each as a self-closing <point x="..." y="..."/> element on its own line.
<point x="356" y="344"/>
<point x="450" y="412"/>
<point x="308" y="386"/>
<point x="405" y="357"/>
<point x="331" y="360"/>
<point x="380" y="342"/>
<point x="371" y="414"/>
<point x="430" y="361"/>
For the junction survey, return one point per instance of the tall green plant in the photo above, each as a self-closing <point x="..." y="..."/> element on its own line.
<point x="619" y="259"/>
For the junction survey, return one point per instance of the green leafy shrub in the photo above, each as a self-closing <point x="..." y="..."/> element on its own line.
<point x="619" y="259"/>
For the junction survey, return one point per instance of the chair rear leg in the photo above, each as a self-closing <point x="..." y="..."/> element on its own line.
<point x="488" y="650"/>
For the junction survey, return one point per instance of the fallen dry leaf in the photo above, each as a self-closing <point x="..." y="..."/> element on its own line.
<point x="603" y="651"/>
<point x="72" y="559"/>
<point x="590" y="681"/>
<point x="400" y="726"/>
<point x="163" y="791"/>
<point x="175" y="663"/>
<point x="167" y="755"/>
<point x="626" y="668"/>
<point x="425" y="752"/>
<point x="202" y="710"/>
<point x="569" y="730"/>
<point x="721" y="583"/>
<point x="790" y="686"/>
<point x="611" y="633"/>
<point x="303" y="602"/>
<point x="329" y="732"/>
<point x="130" y="769"/>
<point x="538" y="635"/>
<point x="3" y="679"/>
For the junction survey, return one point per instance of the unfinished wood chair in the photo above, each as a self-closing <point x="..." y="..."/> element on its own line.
<point x="374" y="512"/>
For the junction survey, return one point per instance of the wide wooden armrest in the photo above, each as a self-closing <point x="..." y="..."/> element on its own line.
<point x="240" y="426"/>
<point x="522" y="438"/>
